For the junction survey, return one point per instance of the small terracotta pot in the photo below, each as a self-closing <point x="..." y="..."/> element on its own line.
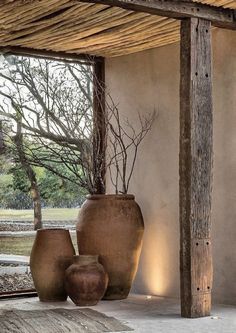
<point x="86" y="280"/>
<point x="51" y="255"/>
<point x="112" y="226"/>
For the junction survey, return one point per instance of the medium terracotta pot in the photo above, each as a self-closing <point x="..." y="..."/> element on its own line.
<point x="51" y="255"/>
<point x="112" y="226"/>
<point x="86" y="280"/>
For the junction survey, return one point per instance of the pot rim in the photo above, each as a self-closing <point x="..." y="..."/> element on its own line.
<point x="110" y="197"/>
<point x="53" y="229"/>
<point x="85" y="258"/>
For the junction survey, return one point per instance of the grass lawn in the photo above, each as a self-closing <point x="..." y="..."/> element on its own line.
<point x="22" y="245"/>
<point x="48" y="214"/>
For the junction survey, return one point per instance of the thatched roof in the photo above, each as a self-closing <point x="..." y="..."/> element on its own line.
<point x="75" y="27"/>
<point x="220" y="3"/>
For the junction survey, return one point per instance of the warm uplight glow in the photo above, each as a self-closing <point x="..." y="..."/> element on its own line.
<point x="159" y="259"/>
<point x="148" y="297"/>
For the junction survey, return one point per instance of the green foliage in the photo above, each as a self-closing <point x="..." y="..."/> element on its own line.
<point x="5" y="165"/>
<point x="12" y="198"/>
<point x="55" y="192"/>
<point x="20" y="180"/>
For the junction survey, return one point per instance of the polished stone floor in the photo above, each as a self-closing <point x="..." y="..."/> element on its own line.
<point x="145" y="314"/>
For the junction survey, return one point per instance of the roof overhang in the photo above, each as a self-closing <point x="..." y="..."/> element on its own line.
<point x="105" y="28"/>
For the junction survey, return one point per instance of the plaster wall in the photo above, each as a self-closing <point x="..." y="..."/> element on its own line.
<point x="148" y="80"/>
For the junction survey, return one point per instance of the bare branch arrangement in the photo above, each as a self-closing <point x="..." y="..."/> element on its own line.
<point x="122" y="141"/>
<point x="123" y="144"/>
<point x="55" y="102"/>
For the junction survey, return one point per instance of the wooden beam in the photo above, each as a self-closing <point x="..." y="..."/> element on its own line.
<point x="195" y="168"/>
<point x="66" y="57"/>
<point x="178" y="9"/>
<point x="99" y="144"/>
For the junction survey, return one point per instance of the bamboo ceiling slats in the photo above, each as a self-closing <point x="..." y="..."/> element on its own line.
<point x="116" y="32"/>
<point x="74" y="27"/>
<point x="12" y="19"/>
<point x="224" y="3"/>
<point x="106" y="25"/>
<point x="61" y="29"/>
<point x="125" y="37"/>
<point x="65" y="21"/>
<point x="87" y="25"/>
<point x="157" y="42"/>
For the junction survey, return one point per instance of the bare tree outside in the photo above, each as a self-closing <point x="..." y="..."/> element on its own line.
<point x="56" y="111"/>
<point x="18" y="147"/>
<point x="55" y="103"/>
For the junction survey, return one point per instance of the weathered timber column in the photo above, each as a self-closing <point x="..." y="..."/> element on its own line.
<point x="99" y="144"/>
<point x="195" y="168"/>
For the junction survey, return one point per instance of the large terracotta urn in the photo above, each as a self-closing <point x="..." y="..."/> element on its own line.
<point x="112" y="226"/>
<point x="51" y="255"/>
<point x="86" y="280"/>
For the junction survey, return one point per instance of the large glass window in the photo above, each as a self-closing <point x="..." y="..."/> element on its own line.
<point x="46" y="124"/>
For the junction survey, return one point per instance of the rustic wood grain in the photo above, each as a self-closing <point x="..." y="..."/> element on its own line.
<point x="42" y="54"/>
<point x="99" y="145"/>
<point x="59" y="321"/>
<point x="196" y="126"/>
<point x="219" y="17"/>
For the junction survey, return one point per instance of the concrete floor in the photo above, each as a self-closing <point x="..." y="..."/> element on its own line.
<point x="146" y="315"/>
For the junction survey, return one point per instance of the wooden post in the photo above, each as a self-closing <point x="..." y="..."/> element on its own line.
<point x="99" y="143"/>
<point x="195" y="167"/>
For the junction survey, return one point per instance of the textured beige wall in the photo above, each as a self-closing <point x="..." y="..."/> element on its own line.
<point x="149" y="80"/>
